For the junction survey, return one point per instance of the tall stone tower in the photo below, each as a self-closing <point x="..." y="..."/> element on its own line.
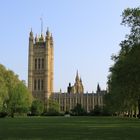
<point x="40" y="66"/>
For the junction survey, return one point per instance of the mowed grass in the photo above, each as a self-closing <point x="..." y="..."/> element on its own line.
<point x="72" y="128"/>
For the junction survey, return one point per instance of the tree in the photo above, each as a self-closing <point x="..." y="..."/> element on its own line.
<point x="14" y="95"/>
<point x="78" y="110"/>
<point x="97" y="110"/>
<point x="37" y="107"/>
<point x="53" y="107"/>
<point x="3" y="94"/>
<point x="124" y="78"/>
<point x="20" y="99"/>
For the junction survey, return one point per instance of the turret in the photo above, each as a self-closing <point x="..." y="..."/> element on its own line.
<point x="51" y="39"/>
<point x="36" y="39"/>
<point x="31" y="37"/>
<point x="48" y="34"/>
<point x="49" y="63"/>
<point x="69" y="89"/>
<point x="98" y="88"/>
<point x="31" y="42"/>
<point x="30" y="61"/>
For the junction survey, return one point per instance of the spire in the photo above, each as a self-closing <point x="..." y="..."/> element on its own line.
<point x="31" y="33"/>
<point x="48" y="32"/>
<point x="77" y="76"/>
<point x="98" y="88"/>
<point x="31" y="37"/>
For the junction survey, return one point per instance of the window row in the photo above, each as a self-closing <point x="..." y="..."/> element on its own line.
<point x="38" y="84"/>
<point x="39" y="63"/>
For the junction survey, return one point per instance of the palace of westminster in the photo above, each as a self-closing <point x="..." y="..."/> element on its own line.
<point x="41" y="77"/>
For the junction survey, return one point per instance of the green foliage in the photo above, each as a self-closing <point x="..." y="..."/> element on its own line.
<point x="37" y="107"/>
<point x="53" y="106"/>
<point x="20" y="99"/>
<point x="100" y="111"/>
<point x="14" y="96"/>
<point x="124" y="78"/>
<point x="78" y="110"/>
<point x="1" y="104"/>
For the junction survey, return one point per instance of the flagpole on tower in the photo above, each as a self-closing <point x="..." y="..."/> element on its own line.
<point x="41" y="19"/>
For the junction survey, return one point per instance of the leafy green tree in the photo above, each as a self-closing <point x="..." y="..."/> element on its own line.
<point x="1" y="104"/>
<point x="3" y="94"/>
<point x="14" y="95"/>
<point x="124" y="78"/>
<point x="20" y="99"/>
<point x="53" y="107"/>
<point x="37" y="107"/>
<point x="3" y="89"/>
<point x="78" y="110"/>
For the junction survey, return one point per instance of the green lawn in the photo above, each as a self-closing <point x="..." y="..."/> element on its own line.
<point x="73" y="128"/>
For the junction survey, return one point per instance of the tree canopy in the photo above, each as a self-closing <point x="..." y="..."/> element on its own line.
<point x="124" y="78"/>
<point x="14" y="95"/>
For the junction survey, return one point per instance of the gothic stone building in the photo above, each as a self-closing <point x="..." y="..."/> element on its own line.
<point x="40" y="78"/>
<point x="40" y="66"/>
<point x="75" y="94"/>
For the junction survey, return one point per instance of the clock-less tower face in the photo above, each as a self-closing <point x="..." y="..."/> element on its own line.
<point x="40" y="71"/>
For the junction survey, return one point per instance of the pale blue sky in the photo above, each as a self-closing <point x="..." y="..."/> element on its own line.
<point x="86" y="34"/>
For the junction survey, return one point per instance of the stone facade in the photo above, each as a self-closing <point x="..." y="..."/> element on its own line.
<point x="71" y="98"/>
<point x="88" y="101"/>
<point x="40" y="66"/>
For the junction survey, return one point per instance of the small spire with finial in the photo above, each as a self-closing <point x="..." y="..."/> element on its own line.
<point x="48" y="32"/>
<point x="98" y="88"/>
<point x="31" y="36"/>
<point x="31" y="32"/>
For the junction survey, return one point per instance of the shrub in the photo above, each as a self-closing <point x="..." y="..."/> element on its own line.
<point x="3" y="114"/>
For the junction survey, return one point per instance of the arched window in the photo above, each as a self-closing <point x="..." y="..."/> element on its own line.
<point x="42" y="63"/>
<point x="35" y="64"/>
<point x="38" y="84"/>
<point x="39" y="63"/>
<point x="34" y="84"/>
<point x="42" y="84"/>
